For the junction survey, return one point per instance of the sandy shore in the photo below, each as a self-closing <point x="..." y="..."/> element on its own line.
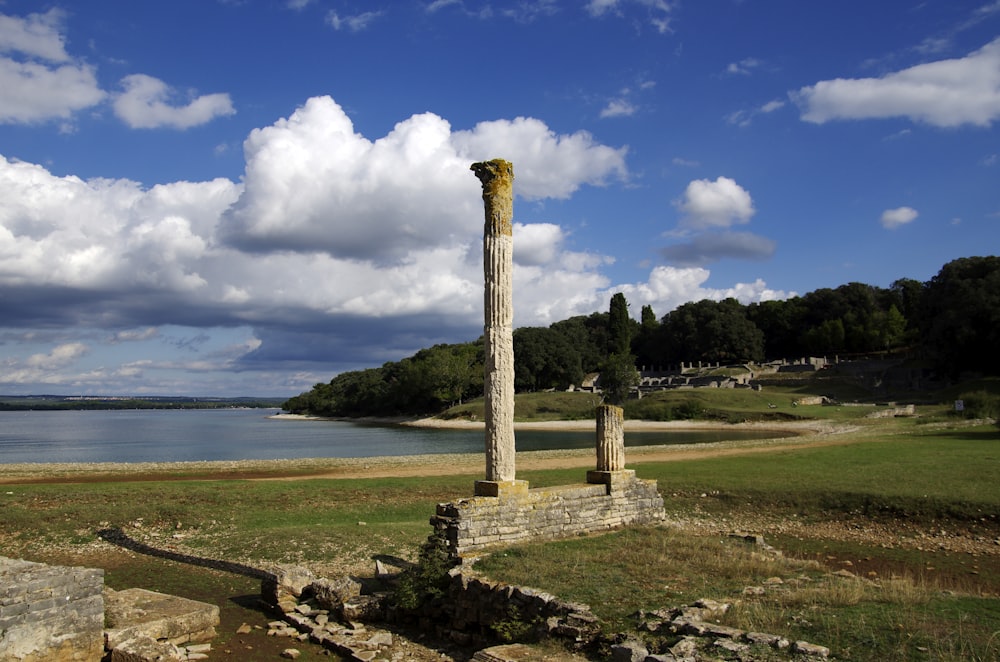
<point x="806" y="434"/>
<point x="568" y="426"/>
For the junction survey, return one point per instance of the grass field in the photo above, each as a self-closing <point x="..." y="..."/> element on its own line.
<point x="910" y="506"/>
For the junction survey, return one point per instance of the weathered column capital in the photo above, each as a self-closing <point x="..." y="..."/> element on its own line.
<point x="497" y="178"/>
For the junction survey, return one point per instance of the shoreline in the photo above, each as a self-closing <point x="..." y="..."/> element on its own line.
<point x="805" y="434"/>
<point x="630" y="425"/>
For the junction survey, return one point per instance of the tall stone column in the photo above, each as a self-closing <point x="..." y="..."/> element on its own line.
<point x="497" y="178"/>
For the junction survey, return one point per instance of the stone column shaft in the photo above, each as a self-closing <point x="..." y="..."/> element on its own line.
<point x="610" y="438"/>
<point x="497" y="178"/>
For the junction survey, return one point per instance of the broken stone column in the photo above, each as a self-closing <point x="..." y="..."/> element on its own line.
<point x="610" y="438"/>
<point x="497" y="178"/>
<point x="611" y="469"/>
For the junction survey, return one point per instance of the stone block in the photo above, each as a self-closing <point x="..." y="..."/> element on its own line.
<point x="332" y="593"/>
<point x="498" y="488"/>
<point x="137" y="612"/>
<point x="145" y="649"/>
<point x="285" y="581"/>
<point x="50" y="613"/>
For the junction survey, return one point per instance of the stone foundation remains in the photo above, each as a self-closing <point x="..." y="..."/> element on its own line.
<point x="477" y="523"/>
<point x="58" y="614"/>
<point x="511" y="513"/>
<point x="136" y="612"/>
<point x="50" y="613"/>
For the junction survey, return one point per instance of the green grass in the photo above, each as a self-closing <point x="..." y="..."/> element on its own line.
<point x="655" y="568"/>
<point x="943" y="474"/>
<point x="545" y="406"/>
<point x="915" y="473"/>
<point x="775" y="402"/>
<point x="255" y="521"/>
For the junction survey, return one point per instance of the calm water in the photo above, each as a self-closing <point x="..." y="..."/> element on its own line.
<point x="248" y="434"/>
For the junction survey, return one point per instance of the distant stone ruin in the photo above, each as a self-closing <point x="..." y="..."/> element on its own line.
<point x="504" y="510"/>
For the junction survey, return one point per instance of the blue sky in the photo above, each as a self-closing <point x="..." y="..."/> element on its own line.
<point x="246" y="197"/>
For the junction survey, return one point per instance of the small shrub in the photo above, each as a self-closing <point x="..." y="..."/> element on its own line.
<point x="427" y="580"/>
<point x="980" y="404"/>
<point x="514" y="628"/>
<point x="688" y="410"/>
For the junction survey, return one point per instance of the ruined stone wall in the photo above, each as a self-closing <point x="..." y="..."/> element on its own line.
<point x="477" y="610"/>
<point x="50" y="613"/>
<point x="549" y="513"/>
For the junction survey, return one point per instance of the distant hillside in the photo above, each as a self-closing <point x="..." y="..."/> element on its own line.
<point x="947" y="328"/>
<point x="72" y="402"/>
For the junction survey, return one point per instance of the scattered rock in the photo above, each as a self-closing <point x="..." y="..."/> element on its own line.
<point x="805" y="648"/>
<point x="629" y="651"/>
<point x="731" y="646"/>
<point x="284" y="585"/>
<point x="144" y="648"/>
<point x="333" y="593"/>
<point x="772" y="640"/>
<point x="686" y="647"/>
<point x="380" y="638"/>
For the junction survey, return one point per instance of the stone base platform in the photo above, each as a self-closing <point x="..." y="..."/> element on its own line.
<point x="138" y="613"/>
<point x="611" y="499"/>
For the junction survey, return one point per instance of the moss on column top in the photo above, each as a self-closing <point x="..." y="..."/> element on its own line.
<point x="497" y="178"/>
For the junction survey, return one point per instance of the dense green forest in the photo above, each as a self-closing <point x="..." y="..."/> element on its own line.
<point x="951" y="323"/>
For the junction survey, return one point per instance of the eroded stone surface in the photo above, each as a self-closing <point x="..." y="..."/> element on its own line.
<point x="136" y="612"/>
<point x="497" y="178"/>
<point x="50" y="613"/>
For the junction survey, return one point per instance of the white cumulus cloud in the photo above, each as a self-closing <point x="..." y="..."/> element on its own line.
<point x="546" y="165"/>
<point x="35" y="35"/>
<point x="58" y="357"/>
<point x="894" y="218"/>
<point x="715" y="204"/>
<point x="618" y="108"/>
<point x="314" y="184"/>
<point x="146" y="104"/>
<point x="536" y="243"/>
<point x="668" y="287"/>
<point x="944" y="93"/>
<point x="42" y="82"/>
<point x="39" y="80"/>
<point x="334" y="250"/>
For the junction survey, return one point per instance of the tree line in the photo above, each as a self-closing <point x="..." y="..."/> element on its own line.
<point x="951" y="321"/>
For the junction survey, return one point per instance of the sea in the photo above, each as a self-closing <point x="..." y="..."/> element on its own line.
<point x="189" y="435"/>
